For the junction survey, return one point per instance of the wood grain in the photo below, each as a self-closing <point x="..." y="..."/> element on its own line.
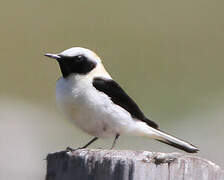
<point x="89" y="164"/>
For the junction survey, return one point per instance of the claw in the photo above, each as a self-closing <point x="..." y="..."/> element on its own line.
<point x="71" y="149"/>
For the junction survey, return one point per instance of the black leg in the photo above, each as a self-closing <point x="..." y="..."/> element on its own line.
<point x="90" y="142"/>
<point x="115" y="140"/>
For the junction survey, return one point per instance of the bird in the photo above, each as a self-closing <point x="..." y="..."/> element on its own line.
<point x="98" y="105"/>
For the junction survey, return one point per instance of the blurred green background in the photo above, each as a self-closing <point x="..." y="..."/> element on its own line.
<point x="168" y="56"/>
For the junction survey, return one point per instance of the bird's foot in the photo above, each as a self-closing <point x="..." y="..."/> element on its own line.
<point x="72" y="149"/>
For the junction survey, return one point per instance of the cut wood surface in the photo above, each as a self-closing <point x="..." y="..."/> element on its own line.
<point x="98" y="164"/>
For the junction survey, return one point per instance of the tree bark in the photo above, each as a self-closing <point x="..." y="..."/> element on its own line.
<point x="89" y="164"/>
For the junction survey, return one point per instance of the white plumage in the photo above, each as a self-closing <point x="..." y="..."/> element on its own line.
<point x="92" y="110"/>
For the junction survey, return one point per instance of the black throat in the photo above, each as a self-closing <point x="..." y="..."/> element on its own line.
<point x="75" y="65"/>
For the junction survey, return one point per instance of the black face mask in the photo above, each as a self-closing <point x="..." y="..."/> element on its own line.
<point x="75" y="65"/>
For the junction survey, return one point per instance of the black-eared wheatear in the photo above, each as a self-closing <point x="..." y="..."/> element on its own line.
<point x="98" y="105"/>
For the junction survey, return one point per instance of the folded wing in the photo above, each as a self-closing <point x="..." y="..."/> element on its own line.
<point x="119" y="97"/>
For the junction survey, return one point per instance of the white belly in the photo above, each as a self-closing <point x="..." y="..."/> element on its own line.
<point x="91" y="110"/>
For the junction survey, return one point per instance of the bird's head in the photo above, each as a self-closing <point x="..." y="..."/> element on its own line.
<point x="76" y="60"/>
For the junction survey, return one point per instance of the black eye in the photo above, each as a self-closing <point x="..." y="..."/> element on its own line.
<point x="80" y="58"/>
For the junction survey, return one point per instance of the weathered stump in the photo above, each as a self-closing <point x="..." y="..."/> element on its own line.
<point x="129" y="165"/>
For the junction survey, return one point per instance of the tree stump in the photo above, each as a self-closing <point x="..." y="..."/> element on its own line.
<point x="90" y="164"/>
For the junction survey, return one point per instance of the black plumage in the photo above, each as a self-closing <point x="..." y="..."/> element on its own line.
<point x="75" y="65"/>
<point x="119" y="97"/>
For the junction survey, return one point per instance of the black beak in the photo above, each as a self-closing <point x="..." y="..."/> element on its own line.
<point x="53" y="56"/>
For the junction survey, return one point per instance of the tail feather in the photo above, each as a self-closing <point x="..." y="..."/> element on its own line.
<point x="181" y="147"/>
<point x="174" y="141"/>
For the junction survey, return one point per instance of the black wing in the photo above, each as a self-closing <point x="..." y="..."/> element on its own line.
<point x="119" y="97"/>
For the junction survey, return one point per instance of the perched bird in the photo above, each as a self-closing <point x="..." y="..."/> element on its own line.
<point x="98" y="105"/>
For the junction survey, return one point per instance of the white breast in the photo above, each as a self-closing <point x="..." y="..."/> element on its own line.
<point x="91" y="110"/>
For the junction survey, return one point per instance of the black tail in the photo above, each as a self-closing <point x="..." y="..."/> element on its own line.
<point x="181" y="147"/>
<point x="174" y="141"/>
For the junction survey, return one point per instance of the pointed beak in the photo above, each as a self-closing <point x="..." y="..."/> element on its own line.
<point x="53" y="56"/>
